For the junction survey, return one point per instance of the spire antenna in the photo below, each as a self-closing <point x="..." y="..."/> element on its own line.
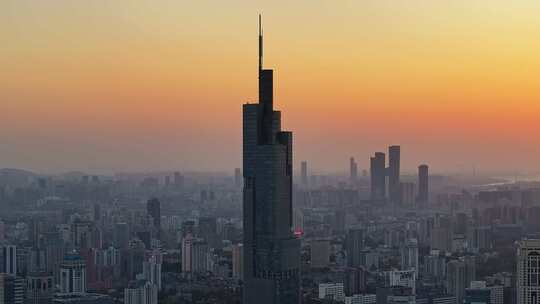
<point x="260" y="43"/>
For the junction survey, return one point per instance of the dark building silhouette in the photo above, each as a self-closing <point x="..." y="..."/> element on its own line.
<point x="153" y="208"/>
<point x="423" y="185"/>
<point x="378" y="176"/>
<point x="354" y="245"/>
<point x="353" y="171"/>
<point x="303" y="172"/>
<point x="237" y="177"/>
<point x="178" y="180"/>
<point x="393" y="174"/>
<point x="271" y="251"/>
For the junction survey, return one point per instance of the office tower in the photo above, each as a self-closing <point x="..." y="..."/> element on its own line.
<point x="152" y="268"/>
<point x="237" y="177"/>
<point x="528" y="267"/>
<point x="320" y="253"/>
<point x="187" y="245"/>
<point x="480" y="293"/>
<point x="401" y="278"/>
<point x="460" y="274"/>
<point x="353" y="171"/>
<point x="121" y="235"/>
<point x="271" y="251"/>
<point x="208" y="230"/>
<point x="39" y="288"/>
<point x="378" y="176"/>
<point x="73" y="274"/>
<point x="141" y="292"/>
<point x="332" y="291"/>
<point x="423" y="185"/>
<point x="13" y="289"/>
<point x="153" y="208"/>
<point x="82" y="234"/>
<point x="393" y="173"/>
<point x="303" y="173"/>
<point x="178" y="180"/>
<point x="354" y="245"/>
<point x="238" y="261"/>
<point x="9" y="254"/>
<point x="409" y="255"/>
<point x="194" y="255"/>
<point x="97" y="212"/>
<point x="167" y="181"/>
<point x="407" y="195"/>
<point x="355" y="280"/>
<point x="37" y="260"/>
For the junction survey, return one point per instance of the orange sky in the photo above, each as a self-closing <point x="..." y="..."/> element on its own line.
<point x="138" y="85"/>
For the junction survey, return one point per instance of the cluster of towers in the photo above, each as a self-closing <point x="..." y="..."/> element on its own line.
<point x="385" y="181"/>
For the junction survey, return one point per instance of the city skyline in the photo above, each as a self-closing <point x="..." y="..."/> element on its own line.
<point x="124" y="87"/>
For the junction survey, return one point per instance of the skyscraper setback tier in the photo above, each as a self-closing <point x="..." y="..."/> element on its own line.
<point x="271" y="251"/>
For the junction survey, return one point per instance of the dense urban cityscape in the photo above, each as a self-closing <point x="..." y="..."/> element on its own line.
<point x="273" y="230"/>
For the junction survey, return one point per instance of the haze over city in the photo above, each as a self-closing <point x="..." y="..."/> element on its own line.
<point x="286" y="152"/>
<point x="104" y="86"/>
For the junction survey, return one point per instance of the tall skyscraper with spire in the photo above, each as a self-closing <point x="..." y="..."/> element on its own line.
<point x="271" y="251"/>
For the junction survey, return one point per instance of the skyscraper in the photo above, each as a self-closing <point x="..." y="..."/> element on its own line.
<point x="303" y="169"/>
<point x="271" y="251"/>
<point x="73" y="274"/>
<point x="378" y="176"/>
<point x="423" y="185"/>
<point x="353" y="171"/>
<point x="153" y="209"/>
<point x="409" y="255"/>
<point x="393" y="173"/>
<point x="528" y="267"/>
<point x="237" y="177"/>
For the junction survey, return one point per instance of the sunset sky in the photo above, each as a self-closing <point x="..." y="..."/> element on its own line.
<point x="105" y="86"/>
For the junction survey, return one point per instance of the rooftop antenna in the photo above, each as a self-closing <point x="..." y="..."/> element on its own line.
<point x="260" y="43"/>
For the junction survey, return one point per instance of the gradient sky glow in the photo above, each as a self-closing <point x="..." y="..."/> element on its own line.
<point x="137" y="85"/>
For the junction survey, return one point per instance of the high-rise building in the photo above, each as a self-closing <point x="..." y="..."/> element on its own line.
<point x="141" y="292"/>
<point x="460" y="274"/>
<point x="480" y="293"/>
<point x="238" y="177"/>
<point x="303" y="173"/>
<point x="332" y="291"/>
<point x="423" y="185"/>
<point x="353" y="171"/>
<point x="320" y="253"/>
<point x="238" y="261"/>
<point x="39" y="288"/>
<point x="355" y="280"/>
<point x="271" y="251"/>
<point x="409" y="255"/>
<point x="208" y="230"/>
<point x="73" y="274"/>
<point x="407" y="195"/>
<point x="153" y="208"/>
<point x="178" y="180"/>
<point x="194" y="255"/>
<point x="353" y="245"/>
<point x="9" y="255"/>
<point x="401" y="278"/>
<point x="378" y="176"/>
<point x="121" y="235"/>
<point x="393" y="173"/>
<point x="152" y="268"/>
<point x="13" y="289"/>
<point x="528" y="269"/>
